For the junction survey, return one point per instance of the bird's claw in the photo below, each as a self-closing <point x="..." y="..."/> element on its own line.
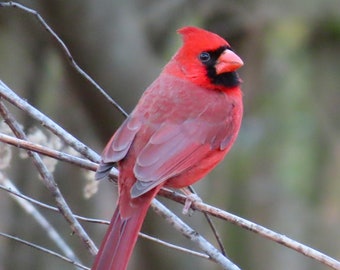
<point x="190" y="199"/>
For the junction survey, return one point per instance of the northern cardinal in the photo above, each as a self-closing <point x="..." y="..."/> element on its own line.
<point x="182" y="127"/>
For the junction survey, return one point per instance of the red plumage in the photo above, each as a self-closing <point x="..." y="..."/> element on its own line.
<point x="182" y="127"/>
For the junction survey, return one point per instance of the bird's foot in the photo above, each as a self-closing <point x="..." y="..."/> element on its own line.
<point x="190" y="199"/>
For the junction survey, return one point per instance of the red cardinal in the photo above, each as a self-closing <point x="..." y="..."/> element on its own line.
<point x="182" y="127"/>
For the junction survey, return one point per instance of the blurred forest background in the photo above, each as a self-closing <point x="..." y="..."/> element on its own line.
<point x="283" y="172"/>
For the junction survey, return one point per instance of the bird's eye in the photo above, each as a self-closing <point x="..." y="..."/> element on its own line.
<point x="204" y="57"/>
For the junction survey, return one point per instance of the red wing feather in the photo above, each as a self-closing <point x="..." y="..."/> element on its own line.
<point x="173" y="149"/>
<point x="118" y="146"/>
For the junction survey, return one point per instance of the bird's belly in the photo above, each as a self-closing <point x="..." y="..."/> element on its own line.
<point x="197" y="171"/>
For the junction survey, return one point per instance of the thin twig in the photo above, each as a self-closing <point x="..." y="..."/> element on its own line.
<point x="43" y="250"/>
<point x="46" y="151"/>
<point x="49" y="182"/>
<point x="194" y="236"/>
<point x="29" y="207"/>
<point x="18" y="194"/>
<point x="188" y="251"/>
<point x="274" y="236"/>
<point x="9" y="95"/>
<point x="64" y="49"/>
<point x="80" y="162"/>
<point x="253" y="227"/>
<point x="212" y="227"/>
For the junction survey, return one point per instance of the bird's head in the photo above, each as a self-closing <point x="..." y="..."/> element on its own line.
<point x="207" y="59"/>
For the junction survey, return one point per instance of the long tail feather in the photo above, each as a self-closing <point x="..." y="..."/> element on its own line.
<point x="121" y="236"/>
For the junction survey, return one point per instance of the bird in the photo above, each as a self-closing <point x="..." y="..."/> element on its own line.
<point x="184" y="124"/>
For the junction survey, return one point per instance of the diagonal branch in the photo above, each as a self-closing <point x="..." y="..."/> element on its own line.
<point x="44" y="250"/>
<point x="262" y="231"/>
<point x="212" y="227"/>
<point x="194" y="236"/>
<point x="9" y="95"/>
<point x="7" y="185"/>
<point x="21" y="198"/>
<point x="64" y="49"/>
<point x="46" y="151"/>
<point x="48" y="181"/>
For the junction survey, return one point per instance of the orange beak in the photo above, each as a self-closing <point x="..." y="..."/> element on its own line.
<point x="228" y="62"/>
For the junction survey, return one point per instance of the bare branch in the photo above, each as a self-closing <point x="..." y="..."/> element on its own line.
<point x="64" y="49"/>
<point x="49" y="207"/>
<point x="49" y="182"/>
<point x="7" y="185"/>
<point x="9" y="95"/>
<point x="44" y="250"/>
<point x="269" y="234"/>
<point x="12" y="190"/>
<point x="194" y="236"/>
<point x="253" y="227"/>
<point x="83" y="163"/>
<point x="195" y="253"/>
<point x="213" y="227"/>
